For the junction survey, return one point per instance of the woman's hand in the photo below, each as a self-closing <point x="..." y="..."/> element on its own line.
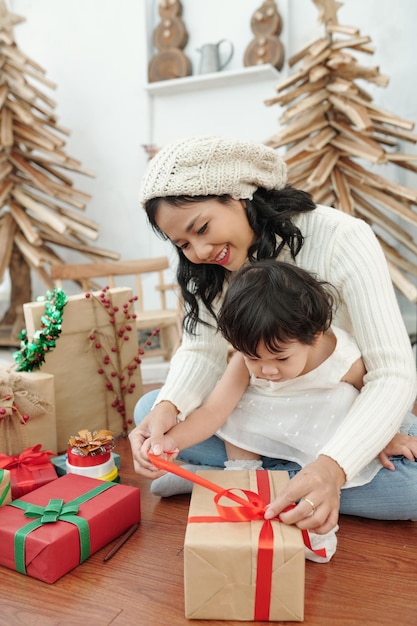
<point x="159" y="421"/>
<point x="400" y="445"/>
<point x="316" y="488"/>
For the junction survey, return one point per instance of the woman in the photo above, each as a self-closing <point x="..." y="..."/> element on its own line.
<point x="223" y="202"/>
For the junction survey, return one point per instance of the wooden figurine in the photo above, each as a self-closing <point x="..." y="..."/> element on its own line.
<point x="169" y="38"/>
<point x="330" y="122"/>
<point x="266" y="24"/>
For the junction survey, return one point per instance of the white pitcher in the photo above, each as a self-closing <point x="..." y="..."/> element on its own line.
<point x="211" y="60"/>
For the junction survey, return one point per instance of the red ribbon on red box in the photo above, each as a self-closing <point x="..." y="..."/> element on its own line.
<point x="250" y="509"/>
<point x="29" y="469"/>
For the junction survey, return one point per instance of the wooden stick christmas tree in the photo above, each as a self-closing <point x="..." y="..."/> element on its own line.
<point x="331" y="127"/>
<point x="39" y="206"/>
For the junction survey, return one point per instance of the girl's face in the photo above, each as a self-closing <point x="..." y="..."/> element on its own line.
<point x="290" y="362"/>
<point x="209" y="232"/>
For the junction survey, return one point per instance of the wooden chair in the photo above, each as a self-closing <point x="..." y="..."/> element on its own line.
<point x="167" y="318"/>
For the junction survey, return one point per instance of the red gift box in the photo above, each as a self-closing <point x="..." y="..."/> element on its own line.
<point x="29" y="470"/>
<point x="51" y="530"/>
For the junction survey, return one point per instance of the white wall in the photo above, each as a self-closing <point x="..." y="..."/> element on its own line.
<point x="97" y="51"/>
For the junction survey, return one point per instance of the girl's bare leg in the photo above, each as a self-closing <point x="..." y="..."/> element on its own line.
<point x="236" y="454"/>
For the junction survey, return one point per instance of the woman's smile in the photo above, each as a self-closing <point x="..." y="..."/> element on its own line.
<point x="224" y="256"/>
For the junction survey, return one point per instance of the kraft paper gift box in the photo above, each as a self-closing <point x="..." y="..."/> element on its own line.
<point x="228" y="575"/>
<point x="29" y="470"/>
<point x="82" y="395"/>
<point x="50" y="531"/>
<point x="5" y="488"/>
<point x="27" y="406"/>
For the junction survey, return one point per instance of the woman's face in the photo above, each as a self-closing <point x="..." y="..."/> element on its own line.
<point x="209" y="232"/>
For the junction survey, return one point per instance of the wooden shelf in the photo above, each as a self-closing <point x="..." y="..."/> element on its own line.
<point x="256" y="73"/>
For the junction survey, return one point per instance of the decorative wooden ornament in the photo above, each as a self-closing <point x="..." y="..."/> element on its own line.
<point x="169" y="38"/>
<point x="266" y="24"/>
<point x="330" y="122"/>
<point x="170" y="33"/>
<point x="169" y="8"/>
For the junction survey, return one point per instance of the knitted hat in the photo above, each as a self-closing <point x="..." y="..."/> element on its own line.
<point x="203" y="166"/>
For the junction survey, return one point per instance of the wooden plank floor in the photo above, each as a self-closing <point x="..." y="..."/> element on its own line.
<point x="372" y="579"/>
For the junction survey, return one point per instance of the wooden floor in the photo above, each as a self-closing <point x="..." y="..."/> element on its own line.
<point x="372" y="579"/>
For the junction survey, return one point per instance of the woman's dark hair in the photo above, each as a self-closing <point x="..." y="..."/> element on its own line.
<point x="269" y="213"/>
<point x="274" y="302"/>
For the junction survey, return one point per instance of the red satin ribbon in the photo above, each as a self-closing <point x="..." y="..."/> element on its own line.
<point x="89" y="460"/>
<point x="265" y="555"/>
<point x="22" y="466"/>
<point x="252" y="508"/>
<point x="30" y="456"/>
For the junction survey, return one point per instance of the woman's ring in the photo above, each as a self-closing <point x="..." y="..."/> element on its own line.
<point x="313" y="506"/>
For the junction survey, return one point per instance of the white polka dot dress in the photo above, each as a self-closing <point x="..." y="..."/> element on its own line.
<point x="293" y="419"/>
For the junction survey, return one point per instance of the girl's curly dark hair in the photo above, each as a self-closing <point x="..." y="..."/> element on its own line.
<point x="273" y="303"/>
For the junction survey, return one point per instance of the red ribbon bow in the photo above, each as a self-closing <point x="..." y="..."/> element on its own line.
<point x="252" y="508"/>
<point x="29" y="457"/>
<point x="22" y="467"/>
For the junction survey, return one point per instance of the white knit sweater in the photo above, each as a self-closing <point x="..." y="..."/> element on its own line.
<point x="344" y="251"/>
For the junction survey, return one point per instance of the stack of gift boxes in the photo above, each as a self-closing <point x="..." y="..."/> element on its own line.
<point x="60" y="509"/>
<point x="60" y="493"/>
<point x="51" y="523"/>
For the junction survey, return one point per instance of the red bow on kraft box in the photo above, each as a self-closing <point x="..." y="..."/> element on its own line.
<point x="29" y="470"/>
<point x="265" y="582"/>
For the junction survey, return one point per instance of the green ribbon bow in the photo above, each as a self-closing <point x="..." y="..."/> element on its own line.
<point x="54" y="511"/>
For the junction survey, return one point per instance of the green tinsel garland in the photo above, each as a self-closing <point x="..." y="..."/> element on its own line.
<point x="31" y="355"/>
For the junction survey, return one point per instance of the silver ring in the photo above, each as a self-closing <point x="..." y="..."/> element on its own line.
<point x="313" y="506"/>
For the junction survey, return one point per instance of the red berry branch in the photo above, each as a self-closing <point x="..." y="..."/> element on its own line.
<point x="109" y="357"/>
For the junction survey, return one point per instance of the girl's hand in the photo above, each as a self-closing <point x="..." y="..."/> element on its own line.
<point x="159" y="421"/>
<point x="167" y="449"/>
<point x="316" y="490"/>
<point x="400" y="445"/>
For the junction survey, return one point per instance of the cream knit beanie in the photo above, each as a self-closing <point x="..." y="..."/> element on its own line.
<point x="202" y="166"/>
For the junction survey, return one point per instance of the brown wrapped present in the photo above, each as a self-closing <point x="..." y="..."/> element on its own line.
<point x="238" y="566"/>
<point x="27" y="411"/>
<point x="95" y="362"/>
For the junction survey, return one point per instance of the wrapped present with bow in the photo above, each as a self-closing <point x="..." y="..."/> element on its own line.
<point x="27" y="411"/>
<point x="5" y="488"/>
<point x="90" y="454"/>
<point x="237" y="565"/>
<point x="60" y="463"/>
<point x="29" y="470"/>
<point x="95" y="362"/>
<point x="50" y="531"/>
